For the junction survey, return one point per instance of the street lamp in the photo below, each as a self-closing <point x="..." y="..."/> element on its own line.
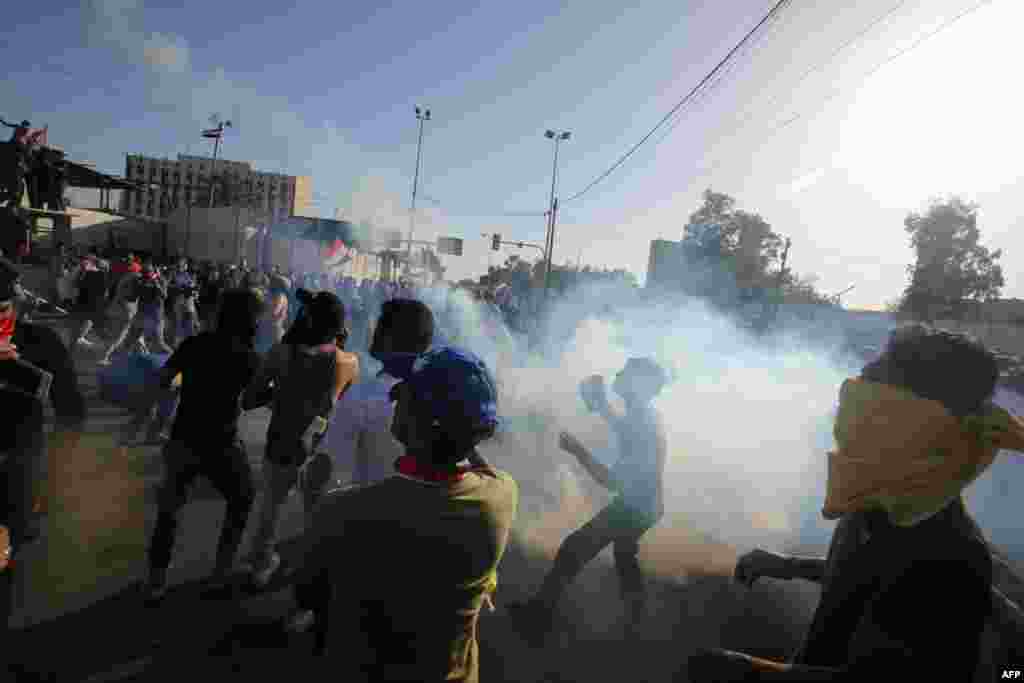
<point x="422" y="115"/>
<point x="558" y="137"/>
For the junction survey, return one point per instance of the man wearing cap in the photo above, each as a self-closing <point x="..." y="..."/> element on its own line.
<point x="429" y="538"/>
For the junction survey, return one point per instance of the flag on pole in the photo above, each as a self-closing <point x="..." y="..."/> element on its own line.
<point x="334" y="251"/>
<point x="36" y="136"/>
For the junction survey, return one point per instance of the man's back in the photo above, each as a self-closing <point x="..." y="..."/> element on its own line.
<point x="415" y="563"/>
<point x="215" y="370"/>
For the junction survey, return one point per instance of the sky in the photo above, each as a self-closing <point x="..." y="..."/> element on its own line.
<point x="328" y="89"/>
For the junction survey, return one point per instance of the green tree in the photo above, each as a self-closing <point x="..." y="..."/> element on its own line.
<point x="734" y="251"/>
<point x="952" y="269"/>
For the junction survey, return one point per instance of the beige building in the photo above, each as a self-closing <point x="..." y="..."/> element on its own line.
<point x="188" y="180"/>
<point x="664" y="264"/>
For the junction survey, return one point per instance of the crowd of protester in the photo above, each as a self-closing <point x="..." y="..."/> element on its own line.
<point x="224" y="340"/>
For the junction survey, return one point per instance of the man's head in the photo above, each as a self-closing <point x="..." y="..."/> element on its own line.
<point x="640" y="380"/>
<point x="445" y="405"/>
<point x="404" y="326"/>
<point x="321" y="321"/>
<point x="239" y="314"/>
<point x="951" y="368"/>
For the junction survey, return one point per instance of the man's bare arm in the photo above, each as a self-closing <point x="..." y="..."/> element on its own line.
<point x="597" y="470"/>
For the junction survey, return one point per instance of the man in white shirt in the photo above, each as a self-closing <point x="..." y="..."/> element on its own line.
<point x="359" y="439"/>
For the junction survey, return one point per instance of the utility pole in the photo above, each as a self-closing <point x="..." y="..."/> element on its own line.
<point x="558" y="137"/>
<point x="217" y="133"/>
<point x="422" y="115"/>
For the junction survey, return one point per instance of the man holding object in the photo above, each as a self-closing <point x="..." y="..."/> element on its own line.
<point x="636" y="479"/>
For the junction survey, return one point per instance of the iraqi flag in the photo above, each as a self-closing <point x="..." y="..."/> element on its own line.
<point x="335" y="253"/>
<point x="216" y="133"/>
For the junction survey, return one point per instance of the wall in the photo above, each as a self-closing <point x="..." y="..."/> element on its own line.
<point x="210" y="234"/>
<point x="93" y="228"/>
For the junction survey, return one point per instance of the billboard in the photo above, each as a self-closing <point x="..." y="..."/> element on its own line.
<point x="451" y="246"/>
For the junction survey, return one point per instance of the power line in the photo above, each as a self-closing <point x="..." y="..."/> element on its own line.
<point x="771" y="13"/>
<point x="817" y="67"/>
<point x="893" y="57"/>
<point x="868" y="74"/>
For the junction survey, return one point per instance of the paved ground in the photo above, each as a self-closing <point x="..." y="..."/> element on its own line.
<point x="82" y="618"/>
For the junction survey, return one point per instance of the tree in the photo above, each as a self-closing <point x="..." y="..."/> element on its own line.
<point x="730" y="252"/>
<point x="952" y="269"/>
<point x="802" y="290"/>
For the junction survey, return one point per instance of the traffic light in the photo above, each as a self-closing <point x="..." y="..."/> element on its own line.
<point x="496" y="242"/>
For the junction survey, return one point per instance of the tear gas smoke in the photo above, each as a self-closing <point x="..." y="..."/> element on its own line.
<point x="748" y="427"/>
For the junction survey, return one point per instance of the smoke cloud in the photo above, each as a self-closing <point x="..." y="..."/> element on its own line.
<point x="119" y="25"/>
<point x="748" y="424"/>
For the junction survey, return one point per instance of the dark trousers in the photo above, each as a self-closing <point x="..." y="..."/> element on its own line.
<point x="617" y="525"/>
<point x="21" y="457"/>
<point x="227" y="468"/>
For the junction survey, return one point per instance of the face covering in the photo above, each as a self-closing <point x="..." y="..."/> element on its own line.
<point x="908" y="455"/>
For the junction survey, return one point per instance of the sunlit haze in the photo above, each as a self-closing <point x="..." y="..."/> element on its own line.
<point x="831" y="156"/>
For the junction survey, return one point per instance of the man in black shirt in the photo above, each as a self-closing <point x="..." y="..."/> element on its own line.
<point x="216" y="367"/>
<point x="904" y="595"/>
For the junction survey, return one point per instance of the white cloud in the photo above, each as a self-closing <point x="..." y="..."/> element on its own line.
<point x="118" y="25"/>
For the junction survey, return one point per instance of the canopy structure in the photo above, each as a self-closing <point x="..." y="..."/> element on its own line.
<point x="82" y="175"/>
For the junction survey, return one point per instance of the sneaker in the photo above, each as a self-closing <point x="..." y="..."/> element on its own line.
<point x="533" y="620"/>
<point x="104" y="362"/>
<point x="262" y="577"/>
<point x="299" y="621"/>
<point x="82" y="341"/>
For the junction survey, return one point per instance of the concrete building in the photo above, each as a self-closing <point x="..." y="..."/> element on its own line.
<point x="664" y="264"/>
<point x="172" y="184"/>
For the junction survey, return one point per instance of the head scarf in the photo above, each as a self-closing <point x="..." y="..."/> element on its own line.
<point x="908" y="455"/>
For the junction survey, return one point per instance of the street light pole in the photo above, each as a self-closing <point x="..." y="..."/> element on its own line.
<point x="216" y="147"/>
<point x="422" y="115"/>
<point x="558" y="137"/>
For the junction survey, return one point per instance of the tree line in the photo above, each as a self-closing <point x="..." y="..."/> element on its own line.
<point x="733" y="257"/>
